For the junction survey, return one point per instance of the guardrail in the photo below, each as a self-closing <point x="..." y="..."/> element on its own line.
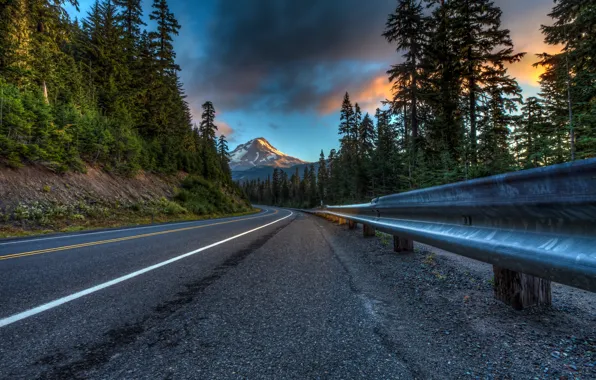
<point x="539" y="222"/>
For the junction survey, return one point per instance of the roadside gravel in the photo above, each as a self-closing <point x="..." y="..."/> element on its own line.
<point x="437" y="310"/>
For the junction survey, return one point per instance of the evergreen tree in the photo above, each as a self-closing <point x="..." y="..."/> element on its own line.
<point x="208" y="128"/>
<point x="333" y="175"/>
<point x="406" y="28"/>
<point x="366" y="137"/>
<point x="95" y="91"/>
<point x="347" y="125"/>
<point x="207" y="131"/>
<point x="285" y="188"/>
<point x="130" y="19"/>
<point x="322" y="177"/>
<point x="532" y="135"/>
<point x="276" y="186"/>
<point x="312" y="186"/>
<point x="485" y="48"/>
<point x="161" y="39"/>
<point x="224" y="155"/>
<point x="573" y="70"/>
<point x="444" y="132"/>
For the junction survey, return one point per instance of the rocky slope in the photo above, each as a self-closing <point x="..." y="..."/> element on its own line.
<point x="34" y="199"/>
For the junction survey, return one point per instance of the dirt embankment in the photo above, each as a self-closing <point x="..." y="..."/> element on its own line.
<point x="32" y="184"/>
<point x="35" y="200"/>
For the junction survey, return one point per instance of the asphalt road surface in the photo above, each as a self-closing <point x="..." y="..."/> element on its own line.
<point x="259" y="296"/>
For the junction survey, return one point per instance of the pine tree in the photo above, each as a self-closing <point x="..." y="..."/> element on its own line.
<point x="295" y="188"/>
<point x="356" y="126"/>
<point x="366" y="137"/>
<point x="304" y="187"/>
<point x="312" y="186"/>
<point x="347" y="121"/>
<point x="444" y="133"/>
<point x="348" y="130"/>
<point x="322" y="177"/>
<point x="161" y="40"/>
<point x="485" y="48"/>
<point x="504" y="95"/>
<point x="532" y="133"/>
<point x="573" y="70"/>
<point x="382" y="160"/>
<point x="333" y="187"/>
<point x="224" y="155"/>
<point x="276" y="186"/>
<point x="207" y="130"/>
<point x="553" y="86"/>
<point x="285" y="188"/>
<point x="406" y="28"/>
<point x="130" y="19"/>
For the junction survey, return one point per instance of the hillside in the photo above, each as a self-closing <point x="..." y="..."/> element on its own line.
<point x="95" y="128"/>
<point x="34" y="199"/>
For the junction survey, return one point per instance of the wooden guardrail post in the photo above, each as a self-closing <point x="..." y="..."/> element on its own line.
<point x="342" y="221"/>
<point x="352" y="225"/>
<point x="402" y="244"/>
<point x="368" y="230"/>
<point x="521" y="290"/>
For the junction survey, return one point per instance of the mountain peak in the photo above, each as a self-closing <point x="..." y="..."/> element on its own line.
<point x="260" y="152"/>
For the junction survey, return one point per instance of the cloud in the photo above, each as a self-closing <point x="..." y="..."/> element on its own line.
<point x="301" y="56"/>
<point x="283" y="55"/>
<point x="524" y="20"/>
<point x="368" y="94"/>
<point x="224" y="128"/>
<point x="525" y="72"/>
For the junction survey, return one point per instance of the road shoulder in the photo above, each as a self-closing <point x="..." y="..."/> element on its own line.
<point x="437" y="309"/>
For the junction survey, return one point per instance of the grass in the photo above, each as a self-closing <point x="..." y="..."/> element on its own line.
<point x="430" y="260"/>
<point x="491" y="282"/>
<point x="196" y="199"/>
<point x="123" y="217"/>
<point x="384" y="238"/>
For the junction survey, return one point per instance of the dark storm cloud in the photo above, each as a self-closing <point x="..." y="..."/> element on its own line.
<point x="286" y="55"/>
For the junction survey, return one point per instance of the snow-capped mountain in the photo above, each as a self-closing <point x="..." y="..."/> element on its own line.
<point x="259" y="152"/>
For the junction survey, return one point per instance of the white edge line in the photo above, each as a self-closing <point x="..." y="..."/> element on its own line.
<point x="266" y="211"/>
<point x="50" y="305"/>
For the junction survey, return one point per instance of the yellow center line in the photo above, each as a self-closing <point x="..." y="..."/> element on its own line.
<point x="67" y="247"/>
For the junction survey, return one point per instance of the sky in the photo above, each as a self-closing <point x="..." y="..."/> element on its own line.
<point x="279" y="68"/>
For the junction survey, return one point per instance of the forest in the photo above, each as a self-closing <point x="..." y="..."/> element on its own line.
<point x="456" y="113"/>
<point x="101" y="91"/>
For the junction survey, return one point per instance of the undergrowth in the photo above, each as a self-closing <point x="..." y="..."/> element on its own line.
<point x="196" y="199"/>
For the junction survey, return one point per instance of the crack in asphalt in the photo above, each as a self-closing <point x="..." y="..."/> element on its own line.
<point x="97" y="354"/>
<point x="368" y="305"/>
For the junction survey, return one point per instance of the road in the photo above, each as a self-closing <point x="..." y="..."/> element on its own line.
<point x="275" y="295"/>
<point x="258" y="296"/>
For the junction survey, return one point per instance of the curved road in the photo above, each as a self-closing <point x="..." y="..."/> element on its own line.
<point x="259" y="296"/>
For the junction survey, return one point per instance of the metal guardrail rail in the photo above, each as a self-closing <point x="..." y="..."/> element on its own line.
<point x="540" y="222"/>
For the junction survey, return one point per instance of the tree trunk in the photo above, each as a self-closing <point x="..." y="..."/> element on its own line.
<point x="414" y="108"/>
<point x="45" y="93"/>
<point x="472" y="99"/>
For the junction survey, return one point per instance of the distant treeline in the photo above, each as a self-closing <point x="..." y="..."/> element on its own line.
<point x="456" y="113"/>
<point x="102" y="90"/>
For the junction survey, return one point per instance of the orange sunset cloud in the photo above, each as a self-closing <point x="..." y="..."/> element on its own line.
<point x="524" y="71"/>
<point x="368" y="96"/>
